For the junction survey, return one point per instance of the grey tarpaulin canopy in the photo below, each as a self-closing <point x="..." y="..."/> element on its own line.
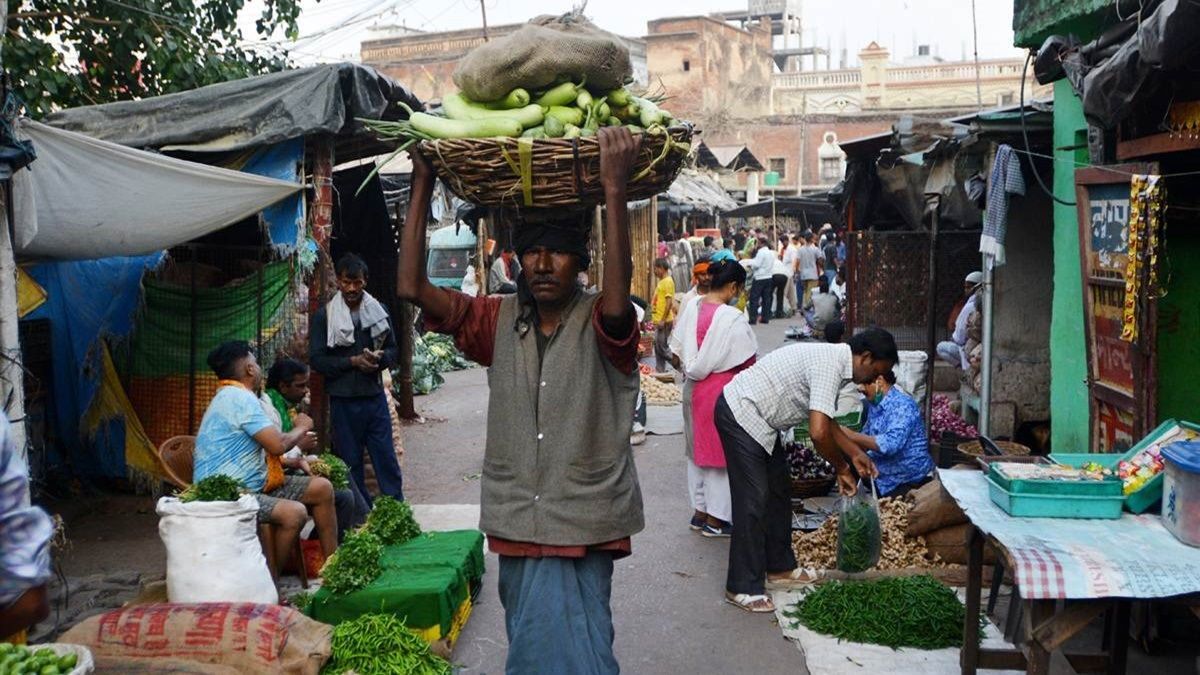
<point x="253" y="112"/>
<point x="699" y="191"/>
<point x="814" y="212"/>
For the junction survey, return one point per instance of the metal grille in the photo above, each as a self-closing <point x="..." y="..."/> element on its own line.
<point x="890" y="287"/>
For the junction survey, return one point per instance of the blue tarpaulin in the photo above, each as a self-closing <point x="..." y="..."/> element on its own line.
<point x="285" y="219"/>
<point x="86" y="300"/>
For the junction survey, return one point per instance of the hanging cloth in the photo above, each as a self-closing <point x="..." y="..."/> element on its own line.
<point x="1006" y="179"/>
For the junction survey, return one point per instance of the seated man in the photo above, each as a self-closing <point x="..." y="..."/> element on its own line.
<point x="237" y="439"/>
<point x="823" y="307"/>
<point x="954" y="351"/>
<point x="287" y="387"/>
<point x="894" y="437"/>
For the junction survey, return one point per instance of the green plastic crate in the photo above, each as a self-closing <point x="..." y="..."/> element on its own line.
<point x="1032" y="505"/>
<point x="1151" y="492"/>
<point x="852" y="421"/>
<point x="1109" y="487"/>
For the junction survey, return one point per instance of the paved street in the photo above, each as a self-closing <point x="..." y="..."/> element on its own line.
<point x="667" y="597"/>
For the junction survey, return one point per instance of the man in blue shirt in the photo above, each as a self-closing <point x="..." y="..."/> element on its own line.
<point x="894" y="437"/>
<point x="236" y="438"/>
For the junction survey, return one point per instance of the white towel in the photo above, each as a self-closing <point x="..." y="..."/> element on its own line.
<point x="340" y="324"/>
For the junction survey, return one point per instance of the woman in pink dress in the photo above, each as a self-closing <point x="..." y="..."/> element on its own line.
<point x="714" y="342"/>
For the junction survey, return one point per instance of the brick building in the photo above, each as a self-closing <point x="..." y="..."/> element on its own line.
<point x="711" y="69"/>
<point x="730" y="76"/>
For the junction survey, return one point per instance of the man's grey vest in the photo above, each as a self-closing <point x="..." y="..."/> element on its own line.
<point x="558" y="468"/>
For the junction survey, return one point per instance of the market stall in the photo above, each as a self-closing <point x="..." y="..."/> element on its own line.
<point x="1090" y="566"/>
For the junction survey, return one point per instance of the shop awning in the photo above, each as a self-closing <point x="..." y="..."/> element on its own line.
<point x="252" y="112"/>
<point x="86" y="199"/>
<point x="812" y="211"/>
<point x="699" y="191"/>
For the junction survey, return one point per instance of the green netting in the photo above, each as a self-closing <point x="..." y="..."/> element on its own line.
<point x="424" y="581"/>
<point x="231" y="312"/>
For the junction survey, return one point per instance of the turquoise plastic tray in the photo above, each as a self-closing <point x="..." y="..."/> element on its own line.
<point x="1151" y="492"/>
<point x="1033" y="505"/>
<point x="1109" y="487"/>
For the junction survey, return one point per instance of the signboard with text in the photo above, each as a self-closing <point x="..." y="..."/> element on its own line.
<point x="1120" y="373"/>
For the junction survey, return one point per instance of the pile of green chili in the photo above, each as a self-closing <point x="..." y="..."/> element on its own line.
<point x="917" y="611"/>
<point x="380" y="644"/>
<point x="859" y="537"/>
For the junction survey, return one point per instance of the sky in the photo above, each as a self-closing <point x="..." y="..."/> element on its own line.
<point x="333" y="29"/>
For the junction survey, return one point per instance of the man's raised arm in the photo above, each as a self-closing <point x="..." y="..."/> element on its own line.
<point x="412" y="283"/>
<point x="618" y="151"/>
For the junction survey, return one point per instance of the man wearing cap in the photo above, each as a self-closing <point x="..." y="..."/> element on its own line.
<point x="560" y="496"/>
<point x="952" y="351"/>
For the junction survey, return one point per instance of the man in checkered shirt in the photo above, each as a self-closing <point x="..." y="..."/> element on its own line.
<point x="788" y="386"/>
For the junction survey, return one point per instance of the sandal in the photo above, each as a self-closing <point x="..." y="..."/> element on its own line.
<point x="800" y="575"/>
<point x="755" y="604"/>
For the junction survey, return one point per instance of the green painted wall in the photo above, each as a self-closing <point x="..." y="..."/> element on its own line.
<point x="1068" y="353"/>
<point x="1179" y="321"/>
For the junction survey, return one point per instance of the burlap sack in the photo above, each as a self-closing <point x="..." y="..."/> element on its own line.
<point x="950" y="544"/>
<point x="544" y="51"/>
<point x="933" y="508"/>
<point x="210" y="637"/>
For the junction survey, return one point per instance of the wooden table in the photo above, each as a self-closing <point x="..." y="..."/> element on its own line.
<point x="1045" y="627"/>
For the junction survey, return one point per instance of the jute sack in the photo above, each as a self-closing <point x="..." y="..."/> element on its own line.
<point x="209" y="638"/>
<point x="950" y="544"/>
<point x="546" y="50"/>
<point x="933" y="509"/>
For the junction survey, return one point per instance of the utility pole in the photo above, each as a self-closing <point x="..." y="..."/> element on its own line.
<point x="483" y="11"/>
<point x="975" y="32"/>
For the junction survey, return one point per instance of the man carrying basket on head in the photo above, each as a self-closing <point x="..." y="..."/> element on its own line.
<point x="560" y="496"/>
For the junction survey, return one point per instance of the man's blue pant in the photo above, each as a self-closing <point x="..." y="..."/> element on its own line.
<point x="364" y="423"/>
<point x="558" y="616"/>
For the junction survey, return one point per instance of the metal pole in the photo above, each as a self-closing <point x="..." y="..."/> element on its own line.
<point x="483" y="11"/>
<point x="985" y="388"/>
<point x="262" y="261"/>
<point x="975" y="32"/>
<point x="194" y="319"/>
<point x="931" y="306"/>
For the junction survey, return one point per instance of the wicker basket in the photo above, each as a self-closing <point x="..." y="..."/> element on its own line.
<point x="561" y="172"/>
<point x="975" y="448"/>
<point x="811" y="487"/>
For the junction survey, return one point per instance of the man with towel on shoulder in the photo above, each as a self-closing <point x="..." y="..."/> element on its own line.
<point x="351" y="342"/>
<point x="560" y="496"/>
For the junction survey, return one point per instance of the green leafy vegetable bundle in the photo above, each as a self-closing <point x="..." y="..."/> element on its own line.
<point x="859" y="535"/>
<point x="917" y="611"/>
<point x="355" y="564"/>
<point x="215" y="488"/>
<point x="392" y="521"/>
<point x="329" y="465"/>
<point x="380" y="644"/>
